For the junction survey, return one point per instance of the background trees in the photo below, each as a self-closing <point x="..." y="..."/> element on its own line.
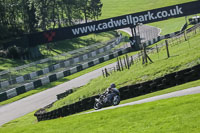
<point x="18" y="17"/>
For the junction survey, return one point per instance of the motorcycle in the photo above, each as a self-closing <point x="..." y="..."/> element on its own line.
<point x="102" y="101"/>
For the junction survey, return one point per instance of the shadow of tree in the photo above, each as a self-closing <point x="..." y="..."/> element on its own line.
<point x="69" y="45"/>
<point x="7" y="63"/>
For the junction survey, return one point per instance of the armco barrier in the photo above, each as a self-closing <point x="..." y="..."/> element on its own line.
<point x="85" y="56"/>
<point x="21" y="90"/>
<point x="75" y="59"/>
<point x="53" y="77"/>
<point x="37" y="83"/>
<point x="65" y="63"/>
<point x="169" y="80"/>
<point x="3" y="96"/>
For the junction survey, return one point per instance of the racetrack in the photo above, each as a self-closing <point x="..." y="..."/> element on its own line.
<point x="20" y="108"/>
<point x="146" y="32"/>
<point x="190" y="91"/>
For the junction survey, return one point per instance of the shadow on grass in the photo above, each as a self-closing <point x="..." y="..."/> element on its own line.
<point x="171" y="56"/>
<point x="69" y="45"/>
<point x="72" y="44"/>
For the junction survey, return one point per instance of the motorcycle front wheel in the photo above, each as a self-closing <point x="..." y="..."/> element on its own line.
<point x="97" y="106"/>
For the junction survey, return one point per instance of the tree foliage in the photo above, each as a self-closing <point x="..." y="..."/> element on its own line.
<point x="26" y="16"/>
<point x="19" y="17"/>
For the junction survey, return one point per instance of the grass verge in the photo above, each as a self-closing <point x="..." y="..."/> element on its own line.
<point x="61" y="81"/>
<point x="111" y="8"/>
<point x="76" y="43"/>
<point x="60" y="47"/>
<point x="165" y="91"/>
<point x="182" y="56"/>
<point x="170" y="115"/>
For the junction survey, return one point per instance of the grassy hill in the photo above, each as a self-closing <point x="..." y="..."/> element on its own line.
<point x="183" y="55"/>
<point x="113" y="8"/>
<point x="175" y="115"/>
<point x="61" y="47"/>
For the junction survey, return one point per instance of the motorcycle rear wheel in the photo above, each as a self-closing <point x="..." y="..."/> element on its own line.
<point x="116" y="100"/>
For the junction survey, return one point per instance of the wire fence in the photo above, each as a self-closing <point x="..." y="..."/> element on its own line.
<point x="181" y="37"/>
<point x="126" y="61"/>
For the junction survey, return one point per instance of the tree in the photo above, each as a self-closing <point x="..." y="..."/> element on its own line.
<point x="84" y="6"/>
<point x="95" y="9"/>
<point x="20" y="17"/>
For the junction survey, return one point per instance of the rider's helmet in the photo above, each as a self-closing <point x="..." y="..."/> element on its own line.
<point x="112" y="85"/>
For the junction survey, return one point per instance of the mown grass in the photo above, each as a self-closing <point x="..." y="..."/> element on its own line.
<point x="58" y="82"/>
<point x="76" y="43"/>
<point x="6" y="64"/>
<point x="165" y="91"/>
<point x="178" y="114"/>
<point x="113" y="8"/>
<point x="30" y="119"/>
<point x="161" y="116"/>
<point x="124" y="42"/>
<point x="60" y="47"/>
<point x="182" y="56"/>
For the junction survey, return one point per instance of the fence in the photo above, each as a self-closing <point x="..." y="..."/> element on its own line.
<point x="178" y="38"/>
<point x="122" y="63"/>
<point x="172" y="40"/>
<point x="22" y="88"/>
<point x="166" y="81"/>
<point x="34" y="66"/>
<point x="54" y="77"/>
<point x="71" y="62"/>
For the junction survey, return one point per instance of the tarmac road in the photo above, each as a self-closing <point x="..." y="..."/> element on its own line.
<point x="146" y="32"/>
<point x="190" y="91"/>
<point x="29" y="104"/>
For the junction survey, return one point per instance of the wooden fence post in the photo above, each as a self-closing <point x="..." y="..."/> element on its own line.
<point x="118" y="64"/>
<point x="166" y="42"/>
<point x="125" y="62"/>
<point x="185" y="35"/>
<point x="121" y="64"/>
<point x="157" y="50"/>
<point x="107" y="74"/>
<point x="127" y="59"/>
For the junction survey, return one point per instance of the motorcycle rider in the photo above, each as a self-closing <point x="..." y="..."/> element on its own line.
<point x="111" y="92"/>
<point x="110" y="97"/>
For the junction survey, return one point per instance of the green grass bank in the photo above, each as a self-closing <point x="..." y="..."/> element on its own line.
<point x="170" y="115"/>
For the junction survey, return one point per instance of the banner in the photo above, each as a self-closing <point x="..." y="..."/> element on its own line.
<point x="129" y="20"/>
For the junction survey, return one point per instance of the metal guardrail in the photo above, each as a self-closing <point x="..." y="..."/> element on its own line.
<point x="51" y="58"/>
<point x="15" y="81"/>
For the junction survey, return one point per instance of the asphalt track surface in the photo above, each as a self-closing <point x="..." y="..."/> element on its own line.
<point x="145" y="32"/>
<point x="190" y="91"/>
<point x="29" y="104"/>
